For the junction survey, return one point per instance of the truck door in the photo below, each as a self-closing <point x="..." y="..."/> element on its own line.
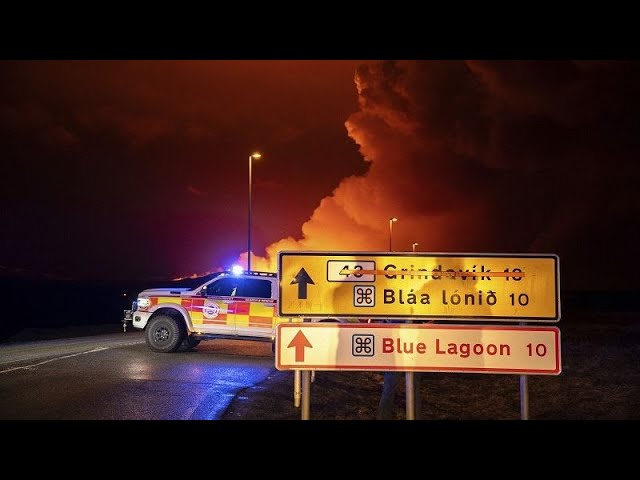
<point x="256" y="308"/>
<point x="219" y="307"/>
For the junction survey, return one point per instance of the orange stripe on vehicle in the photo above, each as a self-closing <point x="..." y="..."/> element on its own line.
<point x="221" y="318"/>
<point x="260" y="321"/>
<point x="261" y="324"/>
<point x="207" y="321"/>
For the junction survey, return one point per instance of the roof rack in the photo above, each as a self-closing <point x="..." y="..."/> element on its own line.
<point x="252" y="272"/>
<point x="260" y="274"/>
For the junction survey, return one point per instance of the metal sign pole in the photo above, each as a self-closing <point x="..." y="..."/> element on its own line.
<point x="410" y="393"/>
<point x="306" y="394"/>
<point x="524" y="398"/>
<point x="411" y="396"/>
<point x="524" y="394"/>
<point x="296" y="388"/>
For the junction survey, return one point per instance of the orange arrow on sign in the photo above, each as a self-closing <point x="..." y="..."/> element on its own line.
<point x="299" y="342"/>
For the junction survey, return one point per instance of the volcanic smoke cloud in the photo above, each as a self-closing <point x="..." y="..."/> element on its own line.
<point x="503" y="156"/>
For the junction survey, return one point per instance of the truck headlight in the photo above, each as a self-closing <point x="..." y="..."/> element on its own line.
<point x="144" y="303"/>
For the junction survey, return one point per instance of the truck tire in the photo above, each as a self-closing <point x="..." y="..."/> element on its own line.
<point x="164" y="334"/>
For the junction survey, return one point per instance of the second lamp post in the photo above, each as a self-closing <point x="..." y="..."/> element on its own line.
<point x="391" y="220"/>
<point x="251" y="157"/>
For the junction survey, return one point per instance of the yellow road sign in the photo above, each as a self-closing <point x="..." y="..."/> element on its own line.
<point x="418" y="348"/>
<point x="443" y="286"/>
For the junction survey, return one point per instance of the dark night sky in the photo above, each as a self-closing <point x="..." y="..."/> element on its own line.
<point x="135" y="169"/>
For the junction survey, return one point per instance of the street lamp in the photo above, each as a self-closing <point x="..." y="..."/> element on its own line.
<point x="251" y="157"/>
<point x="413" y="246"/>
<point x="391" y="220"/>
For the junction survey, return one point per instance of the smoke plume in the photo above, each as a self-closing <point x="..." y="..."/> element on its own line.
<point x="488" y="156"/>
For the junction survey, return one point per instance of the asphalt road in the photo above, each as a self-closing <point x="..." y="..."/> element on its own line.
<point x="116" y="377"/>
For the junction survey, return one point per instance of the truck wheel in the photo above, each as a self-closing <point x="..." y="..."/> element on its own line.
<point x="164" y="334"/>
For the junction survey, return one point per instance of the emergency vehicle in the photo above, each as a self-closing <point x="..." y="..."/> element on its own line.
<point x="221" y="305"/>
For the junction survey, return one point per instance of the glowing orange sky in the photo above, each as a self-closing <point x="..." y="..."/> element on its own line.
<point x="137" y="169"/>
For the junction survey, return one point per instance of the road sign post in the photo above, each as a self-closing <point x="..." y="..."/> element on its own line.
<point x="410" y="394"/>
<point x="524" y="398"/>
<point x="306" y="395"/>
<point x="524" y="395"/>
<point x="296" y="388"/>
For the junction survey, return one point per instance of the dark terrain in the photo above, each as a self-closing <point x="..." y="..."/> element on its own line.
<point x="50" y="304"/>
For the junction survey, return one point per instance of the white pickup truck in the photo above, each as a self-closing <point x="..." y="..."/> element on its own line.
<point x="220" y="305"/>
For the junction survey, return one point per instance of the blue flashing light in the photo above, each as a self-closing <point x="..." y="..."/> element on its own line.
<point x="237" y="270"/>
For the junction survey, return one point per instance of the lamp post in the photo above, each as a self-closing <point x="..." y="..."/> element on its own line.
<point x="251" y="157"/>
<point x="413" y="246"/>
<point x="391" y="221"/>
